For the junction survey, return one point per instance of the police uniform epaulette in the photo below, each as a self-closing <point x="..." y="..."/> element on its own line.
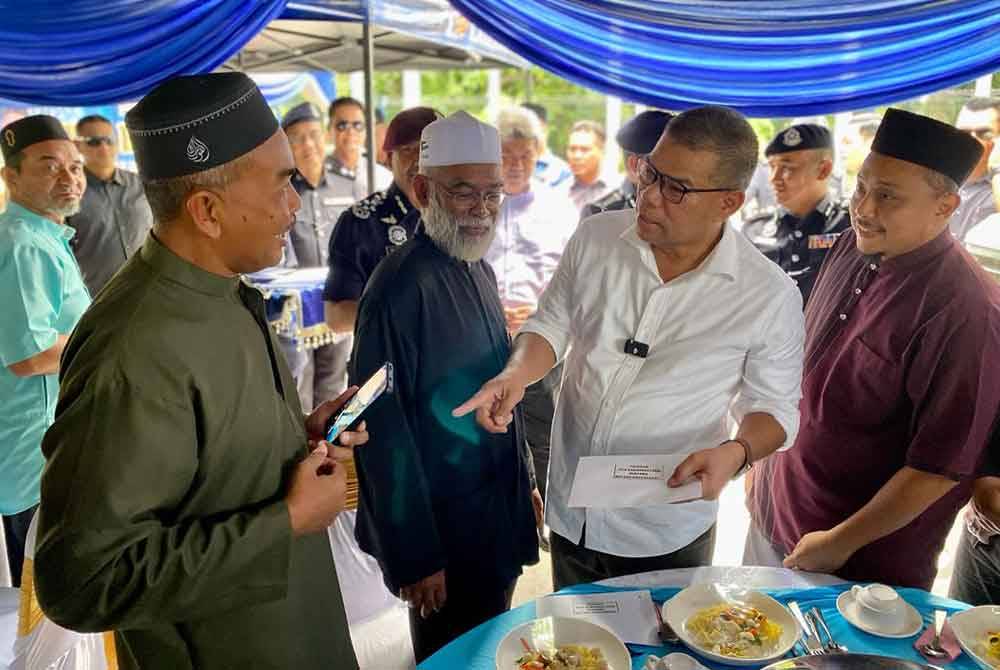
<point x="363" y="208"/>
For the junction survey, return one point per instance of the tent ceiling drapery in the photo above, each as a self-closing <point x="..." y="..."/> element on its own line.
<point x="765" y="58"/>
<point x="86" y="52"/>
<point x="72" y="52"/>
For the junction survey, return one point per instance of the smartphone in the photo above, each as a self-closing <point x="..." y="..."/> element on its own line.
<point x="377" y="384"/>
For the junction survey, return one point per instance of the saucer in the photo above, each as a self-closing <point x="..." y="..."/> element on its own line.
<point x="910" y="624"/>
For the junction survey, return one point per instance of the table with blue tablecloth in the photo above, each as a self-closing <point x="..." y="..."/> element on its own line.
<point x="476" y="649"/>
<point x="294" y="303"/>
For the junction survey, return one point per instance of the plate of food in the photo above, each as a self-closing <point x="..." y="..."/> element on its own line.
<point x="731" y="625"/>
<point x="978" y="632"/>
<point x="562" y="643"/>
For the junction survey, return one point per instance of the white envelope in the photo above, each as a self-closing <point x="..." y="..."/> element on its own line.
<point x="630" y="615"/>
<point x="629" y="481"/>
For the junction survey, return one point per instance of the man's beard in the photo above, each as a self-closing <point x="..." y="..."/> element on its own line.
<point x="446" y="230"/>
<point x="65" y="208"/>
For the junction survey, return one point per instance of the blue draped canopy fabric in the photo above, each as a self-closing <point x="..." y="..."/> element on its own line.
<point x="766" y="58"/>
<point x="88" y="52"/>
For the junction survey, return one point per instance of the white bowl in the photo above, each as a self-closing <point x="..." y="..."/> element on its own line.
<point x="679" y="609"/>
<point x="970" y="627"/>
<point x="551" y="632"/>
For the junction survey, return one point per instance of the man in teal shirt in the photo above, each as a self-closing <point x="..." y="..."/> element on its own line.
<point x="43" y="296"/>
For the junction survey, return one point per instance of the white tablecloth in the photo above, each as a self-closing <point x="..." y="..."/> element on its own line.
<point x="8" y="625"/>
<point x="750" y="577"/>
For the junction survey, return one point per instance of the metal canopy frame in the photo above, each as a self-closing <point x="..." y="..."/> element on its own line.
<point x="347" y="46"/>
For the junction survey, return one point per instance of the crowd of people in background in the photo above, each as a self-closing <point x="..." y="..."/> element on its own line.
<point x="827" y="335"/>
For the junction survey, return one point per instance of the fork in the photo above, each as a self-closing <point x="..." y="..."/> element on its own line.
<point x="816" y="619"/>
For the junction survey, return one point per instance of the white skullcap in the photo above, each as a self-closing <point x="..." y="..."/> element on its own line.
<point x="459" y="139"/>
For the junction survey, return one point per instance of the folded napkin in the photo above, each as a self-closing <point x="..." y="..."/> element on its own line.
<point x="948" y="642"/>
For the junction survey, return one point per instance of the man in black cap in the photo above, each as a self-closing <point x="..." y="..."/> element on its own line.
<point x="802" y="231"/>
<point x="636" y="138"/>
<point x="324" y="199"/>
<point x="43" y="297"/>
<point x="899" y="384"/>
<point x="377" y="225"/>
<point x="180" y="505"/>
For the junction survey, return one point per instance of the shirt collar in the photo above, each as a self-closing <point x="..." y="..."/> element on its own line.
<point x="822" y="207"/>
<point x="301" y="180"/>
<point x="921" y="255"/>
<point x="168" y="264"/>
<point x="116" y="178"/>
<point x="723" y="260"/>
<point x="41" y="223"/>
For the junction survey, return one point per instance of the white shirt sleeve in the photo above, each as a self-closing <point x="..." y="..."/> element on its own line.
<point x="555" y="306"/>
<point x="772" y="376"/>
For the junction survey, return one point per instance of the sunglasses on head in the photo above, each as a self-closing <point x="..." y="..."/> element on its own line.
<point x="98" y="140"/>
<point x="353" y="125"/>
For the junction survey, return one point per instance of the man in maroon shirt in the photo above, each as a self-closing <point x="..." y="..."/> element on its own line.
<point x="900" y="383"/>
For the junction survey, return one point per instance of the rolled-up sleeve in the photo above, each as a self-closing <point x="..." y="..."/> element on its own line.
<point x="555" y="307"/>
<point x="772" y="375"/>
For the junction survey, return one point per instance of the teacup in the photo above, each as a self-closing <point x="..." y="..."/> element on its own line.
<point x="879" y="606"/>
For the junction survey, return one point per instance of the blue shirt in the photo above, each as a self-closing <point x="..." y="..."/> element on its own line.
<point x="42" y="296"/>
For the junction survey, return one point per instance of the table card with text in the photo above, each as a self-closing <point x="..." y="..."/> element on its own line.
<point x="630" y="615"/>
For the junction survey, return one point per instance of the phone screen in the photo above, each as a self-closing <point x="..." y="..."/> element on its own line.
<point x="377" y="384"/>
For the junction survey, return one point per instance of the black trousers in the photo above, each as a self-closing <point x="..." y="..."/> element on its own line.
<point x="465" y="608"/>
<point x="575" y="564"/>
<point x="15" y="534"/>
<point x="537" y="408"/>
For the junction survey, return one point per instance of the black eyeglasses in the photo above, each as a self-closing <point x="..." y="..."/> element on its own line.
<point x="467" y="198"/>
<point x="672" y="190"/>
<point x="98" y="140"/>
<point x="341" y="126"/>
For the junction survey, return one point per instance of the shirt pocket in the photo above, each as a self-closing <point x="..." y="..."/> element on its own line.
<point x="863" y="387"/>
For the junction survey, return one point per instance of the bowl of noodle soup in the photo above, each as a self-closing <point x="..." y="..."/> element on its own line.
<point x="731" y="625"/>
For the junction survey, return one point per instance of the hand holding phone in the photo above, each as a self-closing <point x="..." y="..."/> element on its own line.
<point x="379" y="383"/>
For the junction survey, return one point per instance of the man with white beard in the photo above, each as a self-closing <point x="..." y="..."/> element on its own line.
<point x="445" y="506"/>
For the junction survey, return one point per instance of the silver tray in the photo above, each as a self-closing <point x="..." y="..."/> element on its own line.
<point x="848" y="662"/>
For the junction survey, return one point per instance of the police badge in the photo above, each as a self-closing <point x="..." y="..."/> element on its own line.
<point x="791" y="138"/>
<point x="397" y="235"/>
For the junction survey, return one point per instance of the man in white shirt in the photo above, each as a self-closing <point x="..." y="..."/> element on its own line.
<point x="670" y="321"/>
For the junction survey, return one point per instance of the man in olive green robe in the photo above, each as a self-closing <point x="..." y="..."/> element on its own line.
<point x="179" y="506"/>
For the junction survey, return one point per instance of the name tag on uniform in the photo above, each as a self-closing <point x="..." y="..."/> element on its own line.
<point x="823" y="241"/>
<point x="343" y="201"/>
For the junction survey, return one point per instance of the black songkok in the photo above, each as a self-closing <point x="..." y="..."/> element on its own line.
<point x="641" y="133"/>
<point x="935" y="145"/>
<point x="21" y="134"/>
<point x="799" y="138"/>
<point x="195" y="123"/>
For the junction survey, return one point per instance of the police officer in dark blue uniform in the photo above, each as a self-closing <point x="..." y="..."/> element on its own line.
<point x="799" y="233"/>
<point x="636" y="138"/>
<point x="377" y="225"/>
<point x="321" y="373"/>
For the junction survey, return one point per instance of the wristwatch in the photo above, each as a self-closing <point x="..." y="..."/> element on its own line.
<point x="747" y="455"/>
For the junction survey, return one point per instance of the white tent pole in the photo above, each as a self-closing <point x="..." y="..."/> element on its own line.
<point x="492" y="94"/>
<point x="613" y="121"/>
<point x="984" y="86"/>
<point x="368" y="44"/>
<point x="412" y="90"/>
